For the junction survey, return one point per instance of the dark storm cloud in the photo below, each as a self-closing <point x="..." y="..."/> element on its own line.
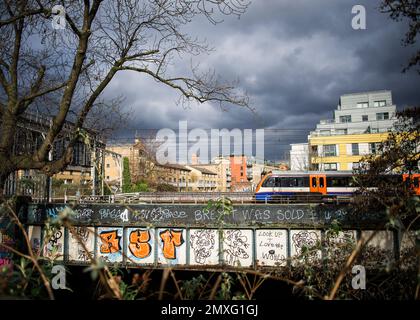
<point x="294" y="58"/>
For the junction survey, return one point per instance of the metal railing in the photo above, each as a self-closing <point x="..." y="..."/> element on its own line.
<point x="204" y="197"/>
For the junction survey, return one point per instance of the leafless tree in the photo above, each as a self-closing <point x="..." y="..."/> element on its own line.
<point x="72" y="67"/>
<point x="410" y="9"/>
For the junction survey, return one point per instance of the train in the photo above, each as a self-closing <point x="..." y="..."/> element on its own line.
<point x="277" y="185"/>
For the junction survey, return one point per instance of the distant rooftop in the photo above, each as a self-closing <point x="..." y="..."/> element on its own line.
<point x="175" y="166"/>
<point x="365" y="92"/>
<point x="202" y="170"/>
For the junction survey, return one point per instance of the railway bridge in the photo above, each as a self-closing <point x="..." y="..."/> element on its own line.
<point x="197" y="236"/>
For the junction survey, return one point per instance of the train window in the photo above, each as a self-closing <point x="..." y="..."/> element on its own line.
<point x="313" y="182"/>
<point x="269" y="182"/>
<point x="290" y="182"/>
<point x="300" y="182"/>
<point x="338" y="181"/>
<point x="416" y="182"/>
<point x="285" y="182"/>
<point x="321" y="182"/>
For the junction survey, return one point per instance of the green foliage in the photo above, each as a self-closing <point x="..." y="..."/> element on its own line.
<point x="193" y="288"/>
<point x="224" y="206"/>
<point x="225" y="287"/>
<point x="163" y="187"/>
<point x="107" y="190"/>
<point x="126" y="187"/>
<point x="140" y="187"/>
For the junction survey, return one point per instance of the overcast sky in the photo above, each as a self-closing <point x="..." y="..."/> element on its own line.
<point x="294" y="58"/>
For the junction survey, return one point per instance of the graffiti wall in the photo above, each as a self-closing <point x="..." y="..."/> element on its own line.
<point x="140" y="245"/>
<point x="6" y="239"/>
<point x="238" y="247"/>
<point x="172" y="247"/>
<point x="81" y="244"/>
<point x="252" y="236"/>
<point x="53" y="244"/>
<point x="204" y="247"/>
<point x="271" y="247"/>
<point x="34" y="235"/>
<point x="199" y="247"/>
<point x="305" y="245"/>
<point x="110" y="244"/>
<point x="5" y="254"/>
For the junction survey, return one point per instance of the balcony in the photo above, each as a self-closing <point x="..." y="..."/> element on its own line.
<point x="327" y="121"/>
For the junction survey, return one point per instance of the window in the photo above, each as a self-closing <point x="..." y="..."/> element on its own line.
<point x="321" y="182"/>
<point x="382" y="116"/>
<point x="107" y="165"/>
<point x="325" y="132"/>
<point x="373" y="147"/>
<point x="363" y="104"/>
<point x="330" y="166"/>
<point x="269" y="183"/>
<point x="345" y="119"/>
<point x="355" y="149"/>
<point x="107" y="177"/>
<point x="314" y="149"/>
<point x="341" y="131"/>
<point x="313" y="182"/>
<point x="329" y="150"/>
<point x="381" y="103"/>
<point x="365" y="118"/>
<point x="355" y="165"/>
<point x="374" y="130"/>
<point x="340" y="181"/>
<point x="287" y="182"/>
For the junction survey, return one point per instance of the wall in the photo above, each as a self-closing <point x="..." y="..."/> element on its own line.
<point x="190" y="236"/>
<point x="343" y="158"/>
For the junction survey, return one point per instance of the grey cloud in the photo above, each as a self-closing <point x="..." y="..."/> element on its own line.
<point x="294" y="58"/>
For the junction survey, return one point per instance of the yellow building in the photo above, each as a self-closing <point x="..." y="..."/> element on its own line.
<point x="113" y="169"/>
<point x="361" y="121"/>
<point x="342" y="152"/>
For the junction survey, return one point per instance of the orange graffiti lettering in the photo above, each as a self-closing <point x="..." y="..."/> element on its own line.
<point x="171" y="239"/>
<point x="139" y="246"/>
<point x="110" y="242"/>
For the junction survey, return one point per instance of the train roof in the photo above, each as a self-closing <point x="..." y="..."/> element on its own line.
<point x="306" y="173"/>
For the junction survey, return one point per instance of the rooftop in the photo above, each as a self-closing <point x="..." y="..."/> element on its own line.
<point x="365" y="92"/>
<point x="203" y="170"/>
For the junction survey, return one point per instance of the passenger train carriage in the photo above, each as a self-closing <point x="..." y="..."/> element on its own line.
<point x="284" y="184"/>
